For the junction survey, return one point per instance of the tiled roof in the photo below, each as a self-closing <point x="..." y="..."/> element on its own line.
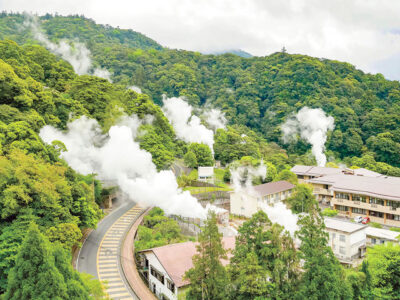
<point x="383" y="233"/>
<point x="273" y="187"/>
<point x="324" y="171"/>
<point x="177" y="258"/>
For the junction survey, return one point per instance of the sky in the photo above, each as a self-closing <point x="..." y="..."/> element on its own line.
<point x="365" y="33"/>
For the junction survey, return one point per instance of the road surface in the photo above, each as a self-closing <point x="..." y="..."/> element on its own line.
<point x="100" y="253"/>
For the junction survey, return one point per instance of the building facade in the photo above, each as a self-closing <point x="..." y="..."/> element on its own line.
<point x="248" y="201"/>
<point x="356" y="192"/>
<point x="347" y="240"/>
<point x="206" y="174"/>
<point x="164" y="267"/>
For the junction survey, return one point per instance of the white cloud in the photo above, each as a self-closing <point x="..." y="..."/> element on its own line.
<point x="361" y="32"/>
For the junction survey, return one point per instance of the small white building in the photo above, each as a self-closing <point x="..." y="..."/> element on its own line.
<point x="347" y="240"/>
<point x="376" y="236"/>
<point x="206" y="174"/>
<point x="247" y="202"/>
<point x="164" y="267"/>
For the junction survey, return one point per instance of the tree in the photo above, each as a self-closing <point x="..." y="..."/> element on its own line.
<point x="190" y="159"/>
<point x="323" y="277"/>
<point x="76" y="288"/>
<point x="208" y="278"/>
<point x="34" y="275"/>
<point x="302" y="199"/>
<point x="286" y="175"/>
<point x="384" y="267"/>
<point x="253" y="279"/>
<point x="275" y="253"/>
<point x="203" y="154"/>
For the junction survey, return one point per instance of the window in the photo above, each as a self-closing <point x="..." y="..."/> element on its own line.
<point x="157" y="274"/>
<point x="342" y="196"/>
<point x="342" y="238"/>
<point x="342" y="207"/>
<point x="300" y="176"/>
<point x="359" y="198"/>
<point x="393" y="217"/>
<point x="326" y="186"/>
<point x="376" y="214"/>
<point x="393" y="204"/>
<point x="171" y="286"/>
<point x="360" y="211"/>
<point x="342" y="250"/>
<point x="373" y="241"/>
<point x="376" y="201"/>
<point x="333" y="235"/>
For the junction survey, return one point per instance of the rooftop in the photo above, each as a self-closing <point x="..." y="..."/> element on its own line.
<point x="342" y="225"/>
<point x="206" y="171"/>
<point x="383" y="233"/>
<point x="323" y="171"/>
<point x="177" y="258"/>
<point x="273" y="187"/>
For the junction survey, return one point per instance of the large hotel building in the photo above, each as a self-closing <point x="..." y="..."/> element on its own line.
<point x="357" y="192"/>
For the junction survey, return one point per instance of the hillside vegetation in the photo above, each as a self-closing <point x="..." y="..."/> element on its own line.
<point x="258" y="92"/>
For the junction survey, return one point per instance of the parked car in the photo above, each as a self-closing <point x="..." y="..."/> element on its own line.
<point x="358" y="219"/>
<point x="365" y="220"/>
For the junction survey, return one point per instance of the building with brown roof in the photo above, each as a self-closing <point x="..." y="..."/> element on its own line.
<point x="358" y="192"/>
<point x="247" y="201"/>
<point x="164" y="267"/>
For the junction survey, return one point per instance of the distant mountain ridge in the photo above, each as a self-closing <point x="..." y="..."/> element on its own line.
<point x="238" y="52"/>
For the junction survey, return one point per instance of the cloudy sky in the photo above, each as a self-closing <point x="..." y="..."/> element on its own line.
<point x="365" y="33"/>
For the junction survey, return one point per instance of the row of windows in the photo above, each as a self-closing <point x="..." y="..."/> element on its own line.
<point x="372" y="200"/>
<point x="371" y="212"/>
<point x="360" y="211"/>
<point x="160" y="277"/>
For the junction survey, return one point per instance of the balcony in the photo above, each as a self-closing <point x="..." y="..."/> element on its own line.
<point x="321" y="191"/>
<point x="368" y="206"/>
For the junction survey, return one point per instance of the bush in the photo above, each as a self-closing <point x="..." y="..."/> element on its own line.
<point x="327" y="212"/>
<point x="376" y="225"/>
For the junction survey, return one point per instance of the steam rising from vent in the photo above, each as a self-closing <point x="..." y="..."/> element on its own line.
<point x="312" y="125"/>
<point x="187" y="126"/>
<point x="135" y="89"/>
<point x="77" y="55"/>
<point x="242" y="177"/>
<point x="215" y="118"/>
<point x="117" y="157"/>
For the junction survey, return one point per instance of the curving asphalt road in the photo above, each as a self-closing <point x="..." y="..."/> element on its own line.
<point x="87" y="258"/>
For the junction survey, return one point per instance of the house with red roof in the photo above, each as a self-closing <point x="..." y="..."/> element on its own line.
<point x="164" y="267"/>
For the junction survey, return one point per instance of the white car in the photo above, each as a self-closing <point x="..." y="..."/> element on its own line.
<point x="358" y="219"/>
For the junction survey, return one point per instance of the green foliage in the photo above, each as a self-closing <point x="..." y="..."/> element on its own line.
<point x="323" y="277"/>
<point x="190" y="159"/>
<point x="208" y="276"/>
<point x="202" y="153"/>
<point x="275" y="257"/>
<point x="328" y="212"/>
<point x="376" y="225"/>
<point x="158" y="230"/>
<point x="384" y="267"/>
<point x="286" y="175"/>
<point x="302" y="199"/>
<point x="35" y="275"/>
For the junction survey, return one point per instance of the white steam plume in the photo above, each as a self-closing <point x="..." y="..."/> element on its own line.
<point x="187" y="126"/>
<point x="215" y="119"/>
<point x="313" y="125"/>
<point x="118" y="157"/>
<point x="279" y="213"/>
<point x="242" y="178"/>
<point x="77" y="55"/>
<point x="136" y="89"/>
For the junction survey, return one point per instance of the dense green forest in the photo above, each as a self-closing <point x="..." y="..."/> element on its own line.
<point x="257" y="92"/>
<point x="39" y="191"/>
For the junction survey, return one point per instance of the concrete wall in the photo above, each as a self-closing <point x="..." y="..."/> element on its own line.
<point x="350" y="245"/>
<point x="160" y="288"/>
<point x="243" y="204"/>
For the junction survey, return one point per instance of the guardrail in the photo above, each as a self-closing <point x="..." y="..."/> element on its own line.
<point x="128" y="262"/>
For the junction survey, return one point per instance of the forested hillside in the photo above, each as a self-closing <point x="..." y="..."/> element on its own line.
<point x="38" y="88"/>
<point x="258" y="92"/>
